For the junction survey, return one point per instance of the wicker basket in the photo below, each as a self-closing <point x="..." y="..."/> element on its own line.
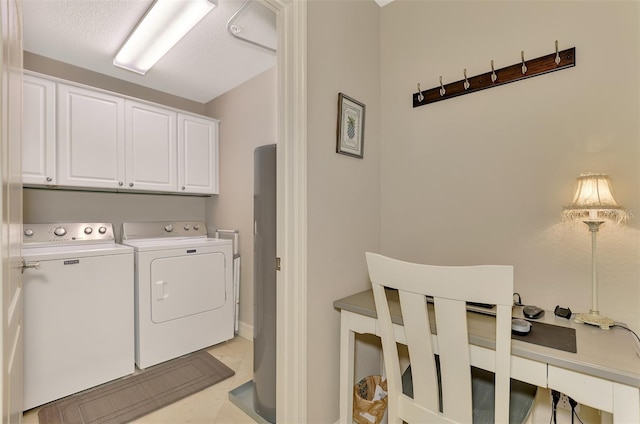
<point x="365" y="410"/>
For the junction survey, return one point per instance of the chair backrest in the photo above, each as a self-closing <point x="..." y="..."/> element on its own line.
<point x="451" y="287"/>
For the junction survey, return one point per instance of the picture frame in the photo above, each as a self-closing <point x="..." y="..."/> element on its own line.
<point x="350" y="133"/>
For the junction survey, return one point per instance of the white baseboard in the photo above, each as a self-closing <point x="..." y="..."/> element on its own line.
<point x="245" y="331"/>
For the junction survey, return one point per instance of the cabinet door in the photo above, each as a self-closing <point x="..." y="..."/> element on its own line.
<point x="91" y="138"/>
<point x="197" y="155"/>
<point x="38" y="131"/>
<point x="151" y="162"/>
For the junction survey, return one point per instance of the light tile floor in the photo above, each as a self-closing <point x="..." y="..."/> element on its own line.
<point x="209" y="406"/>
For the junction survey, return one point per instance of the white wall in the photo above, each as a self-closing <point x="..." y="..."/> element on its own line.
<point x="483" y="178"/>
<point x="247" y="120"/>
<point x="343" y="192"/>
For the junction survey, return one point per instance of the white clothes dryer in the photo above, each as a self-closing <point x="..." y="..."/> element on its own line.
<point x="78" y="309"/>
<point x="183" y="289"/>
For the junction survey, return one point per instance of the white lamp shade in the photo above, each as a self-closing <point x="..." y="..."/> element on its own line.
<point x="594" y="200"/>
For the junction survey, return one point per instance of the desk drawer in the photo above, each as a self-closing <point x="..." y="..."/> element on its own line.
<point x="529" y="371"/>
<point x="585" y="389"/>
<point x="522" y="369"/>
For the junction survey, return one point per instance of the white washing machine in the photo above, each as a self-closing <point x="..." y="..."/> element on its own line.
<point x="78" y="309"/>
<point x="183" y="289"/>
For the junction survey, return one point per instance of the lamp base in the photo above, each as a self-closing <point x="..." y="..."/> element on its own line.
<point x="594" y="318"/>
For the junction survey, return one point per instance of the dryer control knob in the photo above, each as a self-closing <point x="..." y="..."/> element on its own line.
<point x="60" y="231"/>
<point x="168" y="228"/>
<point x="28" y="232"/>
<point x="187" y="227"/>
<point x="88" y="230"/>
<point x="102" y="230"/>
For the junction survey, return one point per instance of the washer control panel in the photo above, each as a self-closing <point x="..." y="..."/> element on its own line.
<point x="67" y="233"/>
<point x="138" y="230"/>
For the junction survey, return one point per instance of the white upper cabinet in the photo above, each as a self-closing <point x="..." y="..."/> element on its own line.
<point x="151" y="161"/>
<point x="197" y="154"/>
<point x="75" y="136"/>
<point x="39" y="131"/>
<point x="91" y="139"/>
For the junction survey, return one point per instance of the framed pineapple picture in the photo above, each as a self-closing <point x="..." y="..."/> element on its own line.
<point x="350" y="127"/>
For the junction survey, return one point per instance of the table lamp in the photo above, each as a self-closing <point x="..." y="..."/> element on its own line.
<point x="594" y="204"/>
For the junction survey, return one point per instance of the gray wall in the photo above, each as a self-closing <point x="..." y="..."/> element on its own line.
<point x="247" y="120"/>
<point x="45" y="205"/>
<point x="482" y="178"/>
<point x="343" y="192"/>
<point x="478" y="179"/>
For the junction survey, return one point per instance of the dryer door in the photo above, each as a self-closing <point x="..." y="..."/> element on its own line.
<point x="187" y="285"/>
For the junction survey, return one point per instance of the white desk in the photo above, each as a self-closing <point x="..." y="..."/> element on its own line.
<point x="604" y="373"/>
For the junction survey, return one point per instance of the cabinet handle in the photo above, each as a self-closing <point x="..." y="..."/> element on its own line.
<point x="183" y="187"/>
<point x="120" y="183"/>
<point x="130" y="184"/>
<point x="49" y="179"/>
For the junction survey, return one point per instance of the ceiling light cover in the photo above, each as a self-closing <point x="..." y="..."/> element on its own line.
<point x="159" y="30"/>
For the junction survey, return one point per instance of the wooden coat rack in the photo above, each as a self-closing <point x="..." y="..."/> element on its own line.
<point x="525" y="69"/>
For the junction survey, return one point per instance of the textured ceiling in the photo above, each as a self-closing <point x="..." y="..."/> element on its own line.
<point x="206" y="63"/>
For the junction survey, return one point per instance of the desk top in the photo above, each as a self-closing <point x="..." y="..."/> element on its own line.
<point x="609" y="354"/>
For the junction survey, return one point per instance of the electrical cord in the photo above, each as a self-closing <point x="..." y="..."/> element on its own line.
<point x="628" y="329"/>
<point x="573" y="408"/>
<point x="519" y="302"/>
<point x="555" y="396"/>
<point x="573" y="404"/>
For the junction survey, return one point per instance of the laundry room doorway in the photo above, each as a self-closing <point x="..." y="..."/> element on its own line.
<point x="291" y="182"/>
<point x="271" y="109"/>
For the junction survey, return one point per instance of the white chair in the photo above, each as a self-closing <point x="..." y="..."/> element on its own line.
<point x="443" y="387"/>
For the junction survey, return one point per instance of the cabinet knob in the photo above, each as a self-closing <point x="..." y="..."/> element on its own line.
<point x="120" y="183"/>
<point x="183" y="187"/>
<point x="130" y="184"/>
<point x="49" y="179"/>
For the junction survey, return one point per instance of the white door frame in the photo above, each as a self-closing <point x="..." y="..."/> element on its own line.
<point x="11" y="211"/>
<point x="291" y="344"/>
<point x="291" y="321"/>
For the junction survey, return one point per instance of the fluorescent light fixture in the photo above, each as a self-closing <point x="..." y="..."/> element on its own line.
<point x="159" y="30"/>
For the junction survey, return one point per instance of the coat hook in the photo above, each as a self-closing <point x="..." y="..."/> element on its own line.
<point x="494" y="77"/>
<point x="524" y="67"/>
<point x="442" y="90"/>
<point x="466" y="81"/>
<point x="557" y="55"/>
<point x="420" y="96"/>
